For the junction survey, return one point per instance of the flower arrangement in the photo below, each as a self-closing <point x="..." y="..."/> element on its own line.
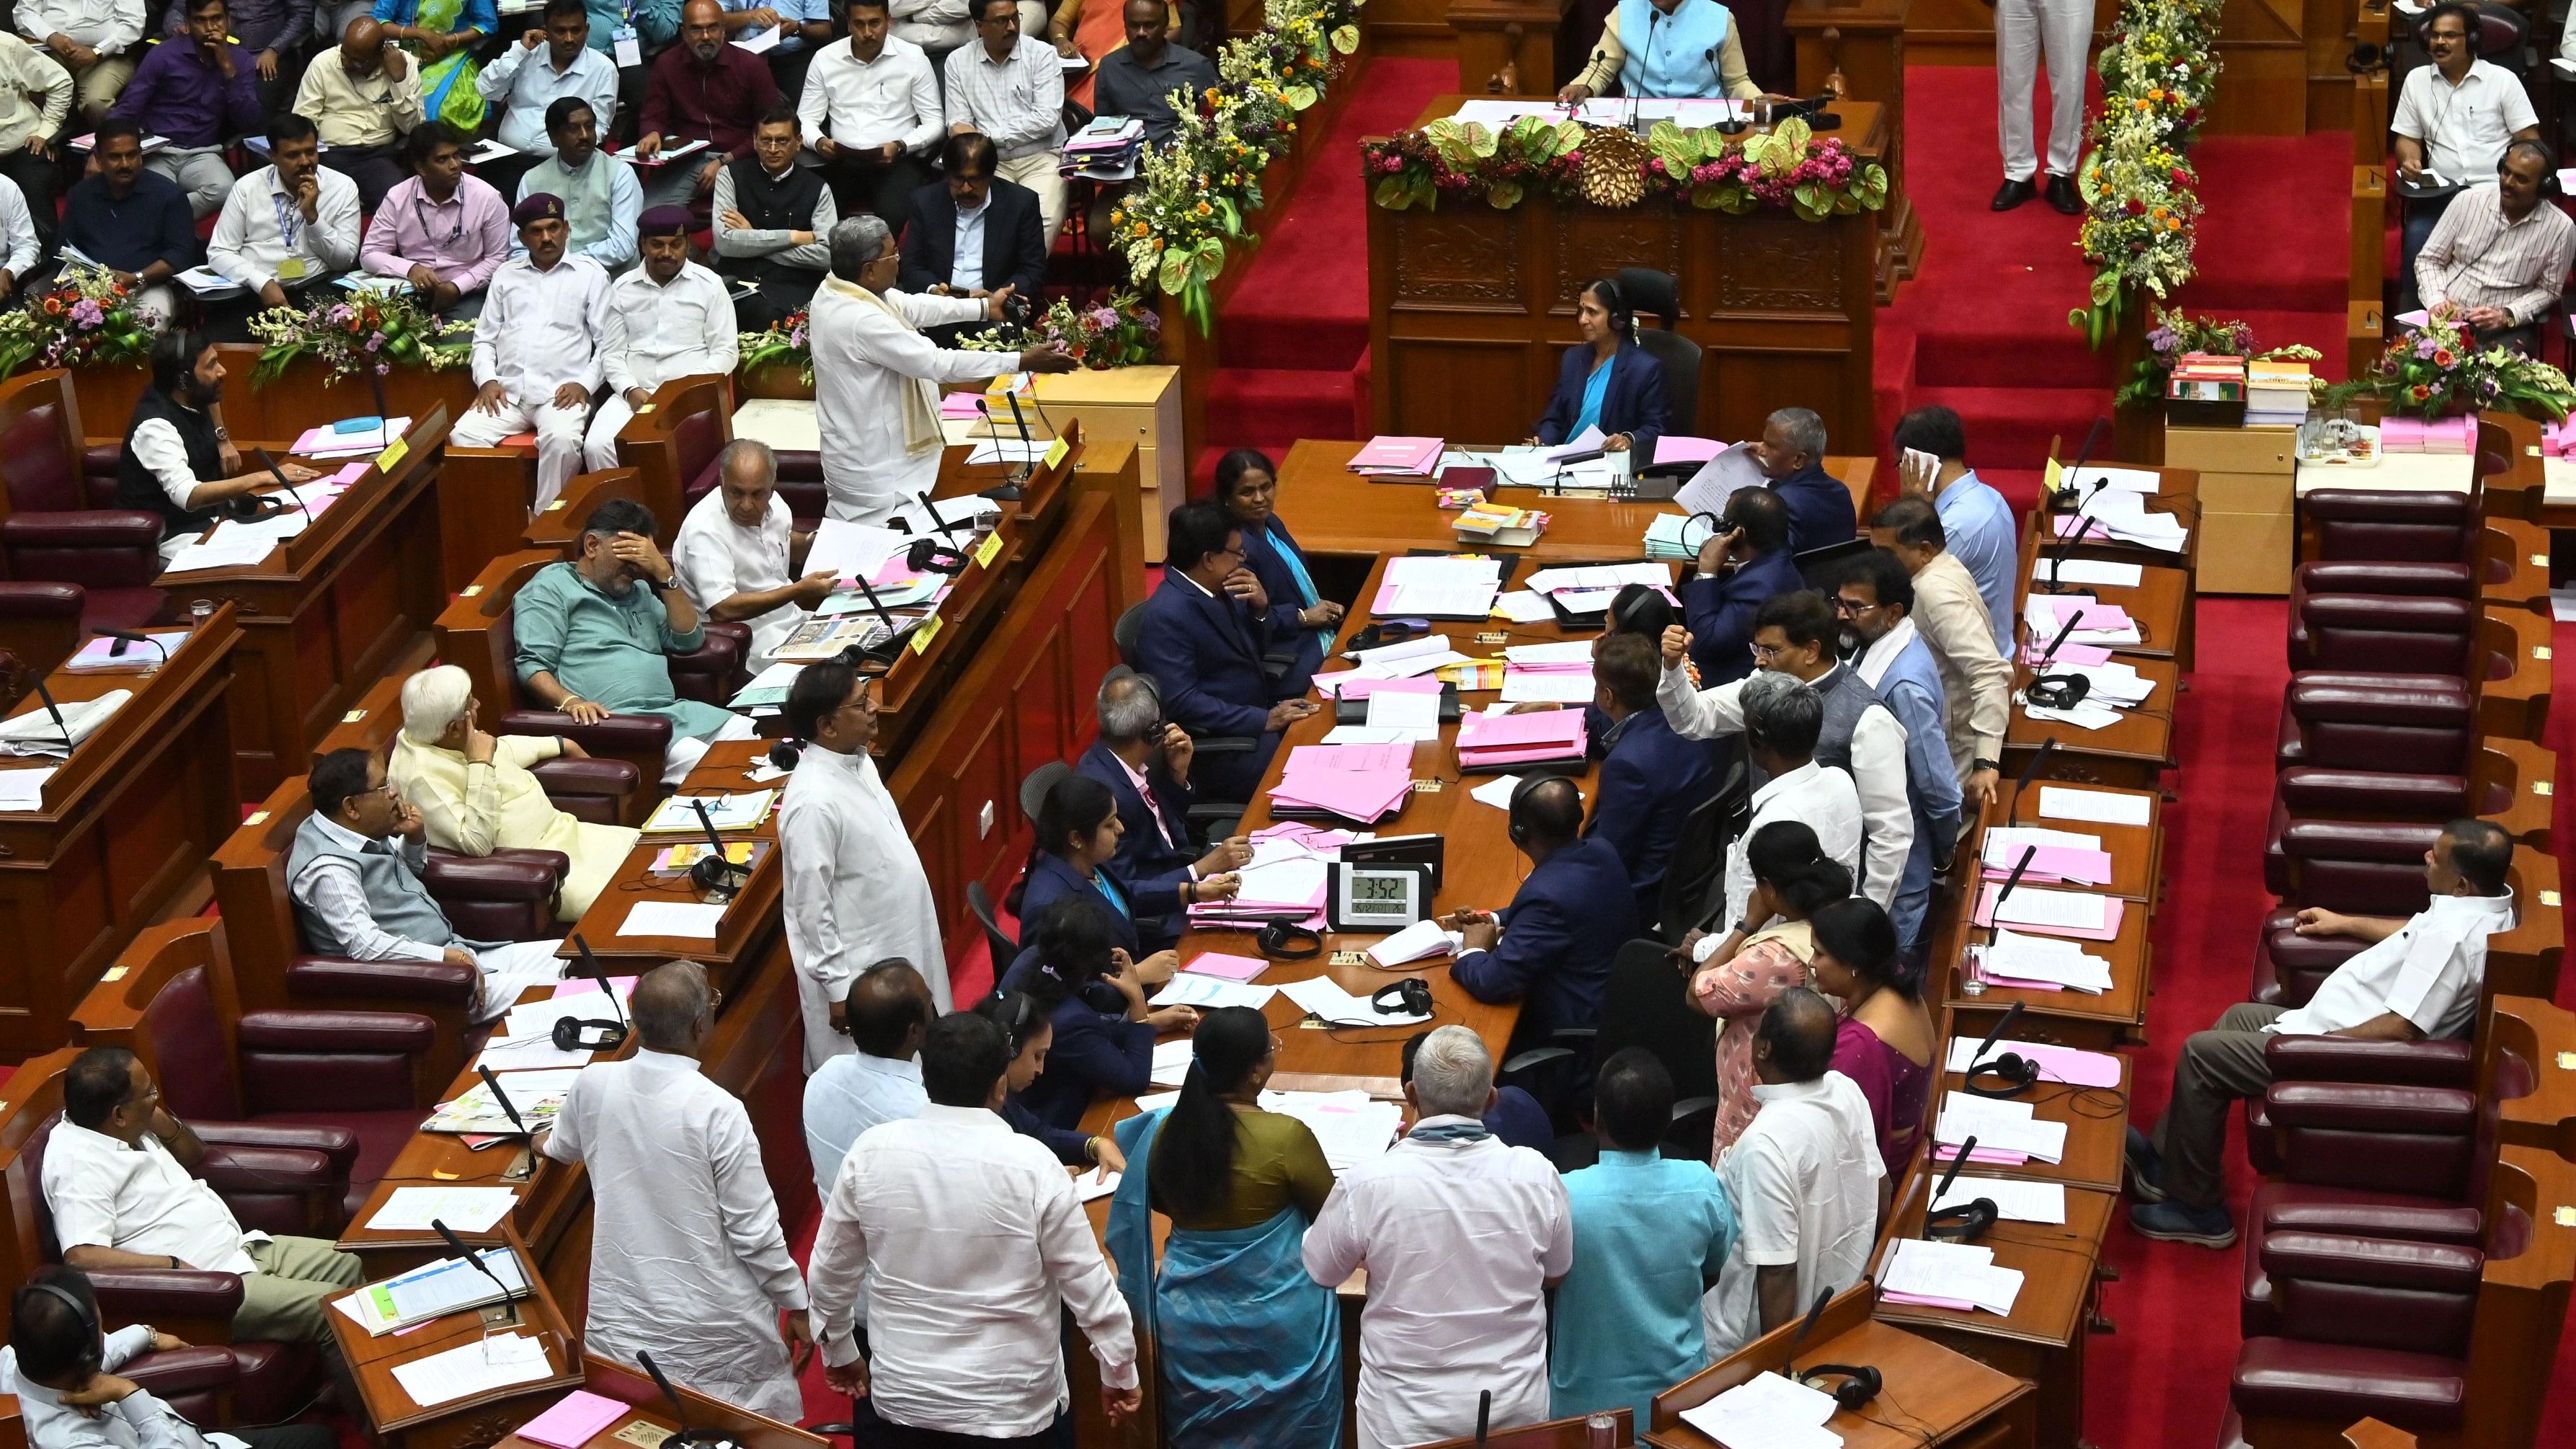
<point x="367" y="331"/>
<point x="2176" y="333"/>
<point x="1119" y="332"/>
<point x="85" y="318"/>
<point x="1787" y="169"/>
<point x="783" y="344"/>
<point x="2158" y="70"/>
<point x="2439" y="369"/>
<point x="1185" y="213"/>
<point x="1448" y="158"/>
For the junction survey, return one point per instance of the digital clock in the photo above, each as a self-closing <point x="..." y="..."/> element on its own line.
<point x="1376" y="898"/>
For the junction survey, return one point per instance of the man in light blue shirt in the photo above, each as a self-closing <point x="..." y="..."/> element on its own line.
<point x="1649" y="1235"/>
<point x="542" y="67"/>
<point x="1975" y="516"/>
<point x="885" y="1015"/>
<point x="1874" y="604"/>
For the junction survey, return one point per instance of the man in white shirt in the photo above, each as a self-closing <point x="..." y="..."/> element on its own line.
<point x="2451" y="124"/>
<point x="1795" y="634"/>
<point x="876" y="398"/>
<point x="856" y="892"/>
<point x="538" y="347"/>
<point x="1461" y="1236"/>
<point x="1010" y="87"/>
<point x="738" y="551"/>
<point x="117" y="1183"/>
<point x="870" y="109"/>
<point x="985" y="1244"/>
<point x="2418" y="980"/>
<point x="667" y="318"/>
<point x="35" y="100"/>
<point x="545" y="66"/>
<point x="289" y="224"/>
<point x="689" y="1261"/>
<point x="70" y="1395"/>
<point x="95" y="40"/>
<point x="1781" y="720"/>
<point x="178" y="462"/>
<point x="887" y="1012"/>
<point x="1808" y="1185"/>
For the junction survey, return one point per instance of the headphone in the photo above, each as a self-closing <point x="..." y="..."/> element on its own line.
<point x="1385" y="632"/>
<point x="1965" y="1223"/>
<point x="2550" y="190"/>
<point x="2058" y="691"/>
<point x="1860" y="1383"/>
<point x="1284" y="940"/>
<point x="1019" y="1007"/>
<point x="1625" y="615"/>
<point x="1623" y="318"/>
<point x="785" y="753"/>
<point x="93" y="1348"/>
<point x="929" y="555"/>
<point x="2014" y="1072"/>
<point x="1412" y="998"/>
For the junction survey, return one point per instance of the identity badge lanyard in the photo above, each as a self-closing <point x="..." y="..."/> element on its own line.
<point x="290" y="226"/>
<point x="630" y="51"/>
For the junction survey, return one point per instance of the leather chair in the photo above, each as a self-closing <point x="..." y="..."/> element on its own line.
<point x="675" y="446"/>
<point x="268" y="1382"/>
<point x="2343" y="525"/>
<point x="1653" y="293"/>
<point x="2409" y="633"/>
<point x="2502" y="659"/>
<point x="601" y="791"/>
<point x="475" y="632"/>
<point x="507" y="895"/>
<point x="40" y="627"/>
<point x="2502" y="562"/>
<point x="2377" y="869"/>
<point x="559" y="527"/>
<point x="60" y="522"/>
<point x="362" y="1076"/>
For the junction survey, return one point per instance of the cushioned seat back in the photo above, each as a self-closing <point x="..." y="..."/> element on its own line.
<point x="1679" y="356"/>
<point x="2400" y="728"/>
<point x="800" y="482"/>
<point x="31" y="1157"/>
<point x="476" y="634"/>
<point x="2410" y="1297"/>
<point x="2362" y="868"/>
<point x="2393" y="1137"/>
<point x="182" y="1041"/>
<point x="698" y="438"/>
<point x="2389" y="631"/>
<point x="38" y="459"/>
<point x="250" y="894"/>
<point x="2354" y="523"/>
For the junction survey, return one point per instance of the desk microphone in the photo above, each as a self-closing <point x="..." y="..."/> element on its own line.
<point x="687" y="1438"/>
<point x="2063" y="691"/>
<point x="456" y="1245"/>
<point x="1005" y="492"/>
<point x="1815" y="1313"/>
<point x="2050" y="652"/>
<point x="279" y="474"/>
<point x="1968" y="1221"/>
<point x="2075" y="475"/>
<point x="501" y="1099"/>
<point x="567" y="1032"/>
<point x="2002" y="1025"/>
<point x="51" y="708"/>
<point x="1636" y="104"/>
<point x="2065" y="547"/>
<point x="1599" y="57"/>
<point x="715" y="873"/>
<point x="884" y="650"/>
<point x="1995" y="919"/>
<point x="1484" y="1412"/>
<point x="2029" y="773"/>
<point x="937" y="522"/>
<point x="124" y="637"/>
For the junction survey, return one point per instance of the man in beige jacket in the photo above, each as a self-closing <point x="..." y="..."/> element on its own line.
<point x="476" y="796"/>
<point x="1951" y="616"/>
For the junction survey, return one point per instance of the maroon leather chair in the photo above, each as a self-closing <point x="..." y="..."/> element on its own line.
<point x="2367" y="525"/>
<point x="360" y="1075"/>
<point x="61" y="522"/>
<point x="2401" y="633"/>
<point x="40" y="627"/>
<point x="2377" y="869"/>
<point x="268" y="1381"/>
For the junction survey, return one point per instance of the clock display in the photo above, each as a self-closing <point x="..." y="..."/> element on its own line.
<point x="1380" y="895"/>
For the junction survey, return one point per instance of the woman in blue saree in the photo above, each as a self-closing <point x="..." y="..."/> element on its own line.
<point x="1247" y="483"/>
<point x="1248" y="1345"/>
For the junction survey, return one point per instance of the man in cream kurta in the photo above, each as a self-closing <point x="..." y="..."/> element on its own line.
<point x="875" y="376"/>
<point x="476" y="795"/>
<point x="690" y="1261"/>
<point x="856" y="892"/>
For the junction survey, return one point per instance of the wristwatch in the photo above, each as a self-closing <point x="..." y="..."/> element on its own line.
<point x="1984" y="765"/>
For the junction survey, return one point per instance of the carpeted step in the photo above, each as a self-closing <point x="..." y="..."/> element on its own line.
<point x="1272" y="407"/>
<point x="2009" y="427"/>
<point x="1960" y="347"/>
<point x="2276" y="225"/>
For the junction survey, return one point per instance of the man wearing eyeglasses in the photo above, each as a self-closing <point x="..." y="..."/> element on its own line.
<point x="1203" y="638"/>
<point x="1875" y="604"/>
<point x="440" y="230"/>
<point x="354" y="875"/>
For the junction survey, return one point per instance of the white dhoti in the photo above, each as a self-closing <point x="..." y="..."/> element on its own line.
<point x="685" y="752"/>
<point x="599" y="445"/>
<point x="513" y="968"/>
<point x="2023" y="28"/>
<point x="558" y="433"/>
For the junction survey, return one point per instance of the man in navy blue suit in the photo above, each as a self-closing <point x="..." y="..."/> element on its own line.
<point x="1145" y="762"/>
<point x="1792" y="455"/>
<point x="1651" y="778"/>
<point x="1203" y="642"/>
<point x="1551" y="948"/>
<point x="1744" y="563"/>
<point x="996" y="222"/>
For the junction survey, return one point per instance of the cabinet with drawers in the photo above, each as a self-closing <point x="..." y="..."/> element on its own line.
<point x="2248" y="520"/>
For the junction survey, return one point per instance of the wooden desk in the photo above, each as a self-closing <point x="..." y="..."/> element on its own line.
<point x="1933" y="1396"/>
<point x="2159" y="603"/>
<point x="2068" y="1018"/>
<point x="1571" y="1433"/>
<point x="476" y="1419"/>
<point x="1470" y="308"/>
<point x="2131" y="754"/>
<point x="751" y="921"/>
<point x="613" y="1380"/>
<point x="2042" y="1339"/>
<point x="1336" y="511"/>
<point x="326" y="612"/>
<point x="2137" y="851"/>
<point x="2096" y="1118"/>
<point x="125" y="828"/>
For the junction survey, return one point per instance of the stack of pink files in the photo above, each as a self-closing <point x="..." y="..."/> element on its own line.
<point x="1493" y="741"/>
<point x="1365" y="783"/>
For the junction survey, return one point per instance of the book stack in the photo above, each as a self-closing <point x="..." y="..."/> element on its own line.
<point x="2206" y="390"/>
<point x="1390" y="456"/>
<point x="1504" y="527"/>
<point x="2414" y="435"/>
<point x="2276" y="394"/>
<point x="1105" y="150"/>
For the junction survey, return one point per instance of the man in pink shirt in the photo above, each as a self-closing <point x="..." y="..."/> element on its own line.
<point x="442" y="231"/>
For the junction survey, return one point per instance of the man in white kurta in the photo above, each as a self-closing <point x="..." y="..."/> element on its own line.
<point x="667" y="318"/>
<point x="737" y="551"/>
<point x="538" y="348"/>
<point x="856" y="892"/>
<point x="1461" y="1236"/>
<point x="876" y="397"/>
<point x="689" y="1261"/>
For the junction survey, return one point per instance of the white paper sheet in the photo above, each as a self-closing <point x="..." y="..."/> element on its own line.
<point x="1209" y="992"/>
<point x="1419" y="941"/>
<point x="852" y="550"/>
<point x="1767" y="1412"/>
<point x="2020" y="1202"/>
<point x="1497" y="791"/>
<point x="1521" y="606"/>
<point x="2057" y="802"/>
<point x="473" y="1368"/>
<point x="2003" y="1125"/>
<point x="2090" y="572"/>
<point x="1951" y="1270"/>
<point x="1171" y="1062"/>
<point x="24" y="789"/>
<point x="2076" y="910"/>
<point x="1547" y="687"/>
<point x="693" y="919"/>
<point x="466" y="1209"/>
<point x="1324" y="997"/>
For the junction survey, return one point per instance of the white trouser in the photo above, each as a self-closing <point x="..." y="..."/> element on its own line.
<point x="684" y="753"/>
<point x="558" y="433"/>
<point x="599" y="447"/>
<point x="1036" y="171"/>
<point x="2022" y="27"/>
<point x="511" y="969"/>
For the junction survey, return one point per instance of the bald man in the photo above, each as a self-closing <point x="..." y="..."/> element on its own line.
<point x="689" y="1260"/>
<point x="885" y="1013"/>
<point x="364" y="98"/>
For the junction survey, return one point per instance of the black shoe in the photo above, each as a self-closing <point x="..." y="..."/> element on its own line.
<point x="2013" y="194"/>
<point x="2063" y="195"/>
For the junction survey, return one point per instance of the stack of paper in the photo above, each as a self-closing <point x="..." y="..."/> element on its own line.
<point x="108" y="656"/>
<point x="1494" y="741"/>
<point x="2001" y="1126"/>
<point x="1418" y="942"/>
<point x="1767" y="1411"/>
<point x="1267" y="891"/>
<point x="35" y="731"/>
<point x="575" y="1420"/>
<point x="1596" y="578"/>
<point x="2100" y="477"/>
<point x="1439" y="587"/>
<point x="2102" y="807"/>
<point x="1391" y="456"/>
<point x="349" y="437"/>
<point x="434" y="1290"/>
<point x="2042" y="963"/>
<point x="1547" y="684"/>
<point x="2080" y="914"/>
<point x="1105" y="150"/>
<point x="1948" y="1275"/>
<point x="1348" y="1126"/>
<point x="2096" y="622"/>
<point x="2415" y="435"/>
<point x="1501" y="526"/>
<point x="726" y="812"/>
<point x="2056" y="1063"/>
<point x="1677" y="536"/>
<point x="1365" y="783"/>
<point x="537" y="1096"/>
<point x="2014" y="1200"/>
<point x="2122" y="515"/>
<point x="2060" y="856"/>
<point x="2276" y="393"/>
<point x="474" y="1368"/>
<point x="2053" y="570"/>
<point x="1323" y="997"/>
<point x="768" y="689"/>
<point x="217" y="551"/>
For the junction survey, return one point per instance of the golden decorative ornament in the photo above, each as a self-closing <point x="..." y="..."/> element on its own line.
<point x="1614" y="164"/>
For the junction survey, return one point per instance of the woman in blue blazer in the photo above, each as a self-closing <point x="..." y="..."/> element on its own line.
<point x="1090" y="993"/>
<point x="1247" y="484"/>
<point x="1609" y="382"/>
<point x="1075" y="855"/>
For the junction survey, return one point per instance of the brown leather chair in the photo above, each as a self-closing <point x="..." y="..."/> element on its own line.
<point x="59" y="522"/>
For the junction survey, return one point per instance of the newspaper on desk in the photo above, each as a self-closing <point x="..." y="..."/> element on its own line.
<point x="38" y="733"/>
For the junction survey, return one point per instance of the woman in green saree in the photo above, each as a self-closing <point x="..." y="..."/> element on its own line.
<point x="441" y="36"/>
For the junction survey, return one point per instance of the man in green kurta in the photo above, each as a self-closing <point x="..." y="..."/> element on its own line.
<point x="594" y="636"/>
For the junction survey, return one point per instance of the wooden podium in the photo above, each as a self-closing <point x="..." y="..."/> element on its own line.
<point x="477" y="1419"/>
<point x="1932" y="1397"/>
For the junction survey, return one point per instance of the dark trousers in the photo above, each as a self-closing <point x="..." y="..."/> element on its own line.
<point x="2218" y="1067"/>
<point x="289" y="1436"/>
<point x="882" y="187"/>
<point x="373" y="168"/>
<point x="40" y="179"/>
<point x="904" y="1436"/>
<point x="2417" y="228"/>
<point x="777" y="299"/>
